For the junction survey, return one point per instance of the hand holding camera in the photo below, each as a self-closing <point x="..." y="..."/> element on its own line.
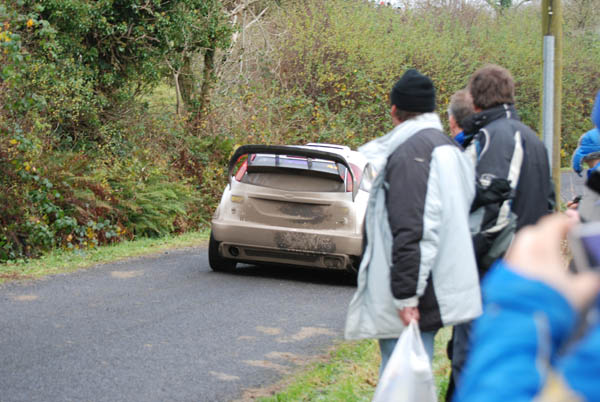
<point x="536" y="254"/>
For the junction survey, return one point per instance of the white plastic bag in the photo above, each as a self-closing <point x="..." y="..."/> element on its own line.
<point x="407" y="376"/>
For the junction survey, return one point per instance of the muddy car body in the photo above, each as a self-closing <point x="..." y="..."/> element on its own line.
<point x="292" y="205"/>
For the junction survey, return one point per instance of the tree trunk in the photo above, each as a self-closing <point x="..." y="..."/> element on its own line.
<point x="187" y="81"/>
<point x="208" y="78"/>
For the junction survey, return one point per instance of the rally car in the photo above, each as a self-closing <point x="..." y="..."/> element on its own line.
<point x="292" y="205"/>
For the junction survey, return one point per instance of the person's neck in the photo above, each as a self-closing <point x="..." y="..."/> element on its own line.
<point x="594" y="163"/>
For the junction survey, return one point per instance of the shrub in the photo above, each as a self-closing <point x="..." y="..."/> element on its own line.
<point x="331" y="71"/>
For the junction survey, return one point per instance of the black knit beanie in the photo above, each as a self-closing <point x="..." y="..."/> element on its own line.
<point x="413" y="92"/>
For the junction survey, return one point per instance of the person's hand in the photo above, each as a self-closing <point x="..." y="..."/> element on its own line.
<point x="536" y="254"/>
<point x="574" y="203"/>
<point x="407" y="314"/>
<point x="573" y="215"/>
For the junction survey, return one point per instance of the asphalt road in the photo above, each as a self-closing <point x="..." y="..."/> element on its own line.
<point x="164" y="328"/>
<point x="571" y="185"/>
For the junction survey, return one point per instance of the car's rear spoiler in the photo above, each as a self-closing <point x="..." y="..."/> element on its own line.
<point x="293" y="151"/>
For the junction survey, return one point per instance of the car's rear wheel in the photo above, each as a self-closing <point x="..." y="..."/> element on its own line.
<point x="216" y="261"/>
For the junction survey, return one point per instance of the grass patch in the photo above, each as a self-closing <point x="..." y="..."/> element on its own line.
<point x="441" y="364"/>
<point x="62" y="261"/>
<point x="351" y="373"/>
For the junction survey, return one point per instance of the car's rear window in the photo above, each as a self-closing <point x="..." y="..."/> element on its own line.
<point x="299" y="183"/>
<point x="296" y="165"/>
<point x="295" y="173"/>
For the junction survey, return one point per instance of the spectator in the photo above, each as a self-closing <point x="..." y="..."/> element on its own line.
<point x="588" y="148"/>
<point x="461" y="107"/>
<point x="589" y="206"/>
<point x="415" y="263"/>
<point x="530" y="313"/>
<point x="514" y="186"/>
<point x="588" y="151"/>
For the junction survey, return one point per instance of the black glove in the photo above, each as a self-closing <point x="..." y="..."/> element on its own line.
<point x="491" y="190"/>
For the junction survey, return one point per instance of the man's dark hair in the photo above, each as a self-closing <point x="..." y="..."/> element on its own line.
<point x="461" y="105"/>
<point x="491" y="86"/>
<point x="404" y="115"/>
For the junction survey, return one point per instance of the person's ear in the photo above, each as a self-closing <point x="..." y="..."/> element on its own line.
<point x="393" y="112"/>
<point x="452" y="122"/>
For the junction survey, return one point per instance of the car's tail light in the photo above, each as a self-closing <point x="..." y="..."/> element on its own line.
<point x="357" y="176"/>
<point x="241" y="171"/>
<point x="244" y="167"/>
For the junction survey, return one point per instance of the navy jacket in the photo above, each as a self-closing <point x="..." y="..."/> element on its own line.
<point x="503" y="147"/>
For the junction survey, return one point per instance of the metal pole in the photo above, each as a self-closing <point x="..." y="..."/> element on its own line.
<point x="548" y="99"/>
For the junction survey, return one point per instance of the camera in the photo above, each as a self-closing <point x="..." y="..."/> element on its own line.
<point x="584" y="241"/>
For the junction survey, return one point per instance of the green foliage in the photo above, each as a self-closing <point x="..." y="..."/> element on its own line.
<point x="332" y="71"/>
<point x="82" y="160"/>
<point x="73" y="205"/>
<point x="76" y="65"/>
<point x="146" y="196"/>
<point x="91" y="153"/>
<point x="121" y="42"/>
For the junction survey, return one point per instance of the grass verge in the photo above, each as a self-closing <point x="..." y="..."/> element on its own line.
<point x="351" y="372"/>
<point x="62" y="261"/>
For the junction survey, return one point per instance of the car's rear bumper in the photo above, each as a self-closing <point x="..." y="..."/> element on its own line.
<point x="269" y="244"/>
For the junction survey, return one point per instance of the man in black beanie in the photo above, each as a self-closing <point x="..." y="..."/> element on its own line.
<point x="418" y="263"/>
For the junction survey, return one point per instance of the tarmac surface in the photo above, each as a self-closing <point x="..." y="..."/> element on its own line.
<point x="571" y="185"/>
<point x="164" y="328"/>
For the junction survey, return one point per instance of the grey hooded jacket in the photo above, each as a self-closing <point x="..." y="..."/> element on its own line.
<point x="445" y="263"/>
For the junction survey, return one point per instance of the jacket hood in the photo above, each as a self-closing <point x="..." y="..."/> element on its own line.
<point x="587" y="148"/>
<point x="378" y="150"/>
<point x="472" y="124"/>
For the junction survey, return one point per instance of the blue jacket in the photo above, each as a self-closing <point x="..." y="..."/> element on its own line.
<point x="589" y="144"/>
<point x="516" y="343"/>
<point x="460" y="138"/>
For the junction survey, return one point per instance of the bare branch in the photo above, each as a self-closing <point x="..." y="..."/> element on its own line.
<point x="521" y="3"/>
<point x="256" y="19"/>
<point x="240" y="7"/>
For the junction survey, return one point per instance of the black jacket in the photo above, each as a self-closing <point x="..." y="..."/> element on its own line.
<point x="505" y="148"/>
<point x="430" y="189"/>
